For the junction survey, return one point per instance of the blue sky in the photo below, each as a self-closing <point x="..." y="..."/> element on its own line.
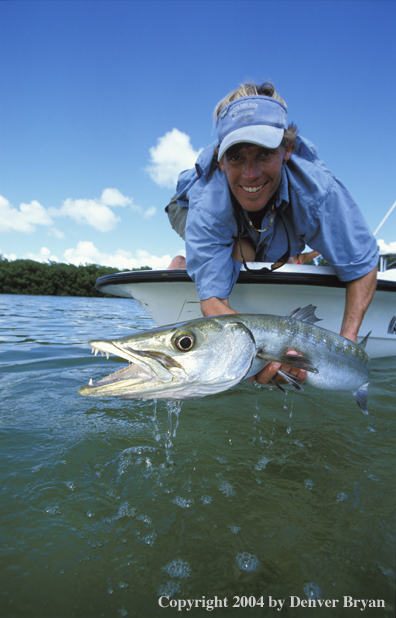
<point x="102" y="103"/>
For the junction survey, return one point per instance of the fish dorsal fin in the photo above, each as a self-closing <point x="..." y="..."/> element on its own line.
<point x="307" y="314"/>
<point x="363" y="342"/>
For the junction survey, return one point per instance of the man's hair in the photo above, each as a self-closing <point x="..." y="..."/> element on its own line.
<point x="267" y="89"/>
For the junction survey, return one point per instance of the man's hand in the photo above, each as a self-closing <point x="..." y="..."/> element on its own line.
<point x="269" y="372"/>
<point x="216" y="306"/>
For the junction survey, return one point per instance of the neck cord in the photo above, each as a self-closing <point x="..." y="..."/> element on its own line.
<point x="268" y="226"/>
<point x="238" y="217"/>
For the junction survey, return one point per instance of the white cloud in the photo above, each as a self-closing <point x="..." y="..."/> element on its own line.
<point x="114" y="197"/>
<point x="9" y="256"/>
<point x="91" y="212"/>
<point x="25" y="219"/>
<point x="87" y="253"/>
<point x="172" y="154"/>
<point x="43" y="256"/>
<point x="53" y="231"/>
<point x="97" y="212"/>
<point x="150" y="212"/>
<point x="388" y="248"/>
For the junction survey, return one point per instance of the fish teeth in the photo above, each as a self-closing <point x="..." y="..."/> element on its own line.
<point x="90" y="383"/>
<point x="96" y="351"/>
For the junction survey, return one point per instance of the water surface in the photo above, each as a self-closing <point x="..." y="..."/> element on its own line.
<point x="109" y="505"/>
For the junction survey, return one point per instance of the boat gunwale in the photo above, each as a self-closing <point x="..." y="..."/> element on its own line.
<point x="245" y="277"/>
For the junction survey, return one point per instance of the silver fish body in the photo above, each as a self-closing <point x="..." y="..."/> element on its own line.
<point x="210" y="355"/>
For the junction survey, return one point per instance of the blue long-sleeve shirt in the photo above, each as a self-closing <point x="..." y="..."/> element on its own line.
<point x="316" y="208"/>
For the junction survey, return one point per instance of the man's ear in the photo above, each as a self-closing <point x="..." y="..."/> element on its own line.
<point x="288" y="151"/>
<point x="221" y="164"/>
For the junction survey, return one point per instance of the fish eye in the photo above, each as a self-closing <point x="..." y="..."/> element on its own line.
<point x="185" y="342"/>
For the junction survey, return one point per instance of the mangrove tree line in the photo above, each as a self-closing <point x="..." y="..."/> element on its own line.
<point x="51" y="279"/>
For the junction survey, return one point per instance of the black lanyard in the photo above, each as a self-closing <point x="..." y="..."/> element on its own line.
<point x="238" y="217"/>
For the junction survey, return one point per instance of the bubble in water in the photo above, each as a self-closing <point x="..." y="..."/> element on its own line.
<point x="169" y="589"/>
<point x="178" y="568"/>
<point x="126" y="511"/>
<point x="247" y="562"/>
<point x="226" y="488"/>
<point x="206" y="499"/>
<point x="312" y="591"/>
<point x="341" y="497"/>
<point x="150" y="539"/>
<point x="183" y="503"/>
<point x="308" y="484"/>
<point x="52" y="510"/>
<point x="123" y="585"/>
<point x="261" y="464"/>
<point x="144" y="518"/>
<point x="235" y="529"/>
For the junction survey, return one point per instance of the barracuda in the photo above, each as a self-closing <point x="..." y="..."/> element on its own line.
<point x="210" y="355"/>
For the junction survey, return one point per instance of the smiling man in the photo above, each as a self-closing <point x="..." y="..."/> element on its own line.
<point x="261" y="193"/>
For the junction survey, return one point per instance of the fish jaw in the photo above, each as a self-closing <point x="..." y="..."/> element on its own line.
<point x="221" y="357"/>
<point x="145" y="372"/>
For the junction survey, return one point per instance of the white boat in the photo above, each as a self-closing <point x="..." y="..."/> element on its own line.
<point x="170" y="296"/>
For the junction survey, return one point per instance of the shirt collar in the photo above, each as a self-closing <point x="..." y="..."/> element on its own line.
<point x="204" y="161"/>
<point x="282" y="194"/>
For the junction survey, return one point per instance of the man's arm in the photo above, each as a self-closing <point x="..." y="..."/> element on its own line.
<point x="359" y="294"/>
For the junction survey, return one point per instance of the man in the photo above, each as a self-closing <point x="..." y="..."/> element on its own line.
<point x="261" y="193"/>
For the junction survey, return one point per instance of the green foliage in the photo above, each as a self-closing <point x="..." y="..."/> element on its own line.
<point x="53" y="279"/>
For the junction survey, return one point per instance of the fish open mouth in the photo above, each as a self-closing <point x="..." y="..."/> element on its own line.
<point x="146" y="366"/>
<point x="132" y="372"/>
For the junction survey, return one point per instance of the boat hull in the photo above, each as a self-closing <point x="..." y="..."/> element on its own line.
<point x="170" y="297"/>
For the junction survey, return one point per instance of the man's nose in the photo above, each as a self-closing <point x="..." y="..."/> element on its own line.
<point x="251" y="170"/>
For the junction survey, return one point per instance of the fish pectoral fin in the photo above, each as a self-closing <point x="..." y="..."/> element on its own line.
<point x="273" y="383"/>
<point x="307" y="314"/>
<point x="292" y="360"/>
<point x="291" y="380"/>
<point x="361" y="398"/>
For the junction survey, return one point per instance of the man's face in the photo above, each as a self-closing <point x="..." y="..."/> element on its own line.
<point x="254" y="173"/>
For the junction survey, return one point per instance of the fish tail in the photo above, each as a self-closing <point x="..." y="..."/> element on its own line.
<point x="361" y="397"/>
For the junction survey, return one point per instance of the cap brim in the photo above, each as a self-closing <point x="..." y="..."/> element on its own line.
<point x="262" y="135"/>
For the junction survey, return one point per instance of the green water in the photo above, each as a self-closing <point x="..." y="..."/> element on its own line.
<point x="110" y="506"/>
